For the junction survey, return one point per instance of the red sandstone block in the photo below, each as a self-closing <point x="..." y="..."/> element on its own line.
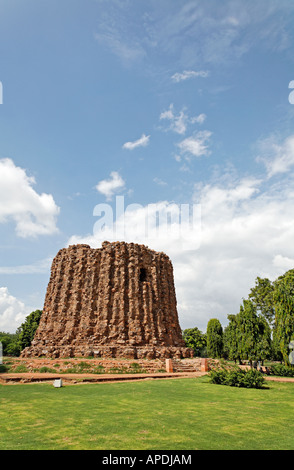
<point x="204" y="365"/>
<point x="169" y="365"/>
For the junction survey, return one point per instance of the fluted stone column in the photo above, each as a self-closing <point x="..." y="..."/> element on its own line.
<point x="114" y="301"/>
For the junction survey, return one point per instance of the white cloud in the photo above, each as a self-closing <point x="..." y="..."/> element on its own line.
<point x="12" y="311"/>
<point x="247" y="230"/>
<point x="190" y="33"/>
<point x="111" y="186"/>
<point x="186" y="74"/>
<point x="126" y="52"/>
<point x="162" y="226"/>
<point x="39" y="267"/>
<point x="34" y="214"/>
<point x="179" y="122"/>
<point x="199" y="119"/>
<point x="142" y="142"/>
<point x="195" y="145"/>
<point x="277" y="157"/>
<point x="159" y="181"/>
<point x="283" y="263"/>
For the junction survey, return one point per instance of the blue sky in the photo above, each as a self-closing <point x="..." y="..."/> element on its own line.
<point x="162" y="102"/>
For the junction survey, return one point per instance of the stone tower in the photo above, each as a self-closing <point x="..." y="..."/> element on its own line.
<point x="114" y="301"/>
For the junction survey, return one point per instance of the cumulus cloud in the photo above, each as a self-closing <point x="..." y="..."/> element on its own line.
<point x="12" y="311"/>
<point x="199" y="119"/>
<point x="111" y="186"/>
<point x="246" y="229"/>
<point x="186" y="74"/>
<point x="277" y="157"/>
<point x="195" y="145"/>
<point x="40" y="267"/>
<point x="34" y="214"/>
<point x="246" y="232"/>
<point x="160" y="182"/>
<point x="179" y="122"/>
<point x="283" y="263"/>
<point x="142" y="142"/>
<point x="162" y="225"/>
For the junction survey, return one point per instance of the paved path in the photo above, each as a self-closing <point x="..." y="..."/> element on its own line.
<point x="280" y="379"/>
<point x="28" y="377"/>
<point x="91" y="378"/>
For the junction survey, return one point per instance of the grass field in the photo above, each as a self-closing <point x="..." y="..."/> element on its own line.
<point x="179" y="414"/>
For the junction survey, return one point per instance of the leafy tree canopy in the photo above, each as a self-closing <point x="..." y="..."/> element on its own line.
<point x="214" y="338"/>
<point x="28" y="328"/>
<point x="195" y="340"/>
<point x="262" y="298"/>
<point x="284" y="307"/>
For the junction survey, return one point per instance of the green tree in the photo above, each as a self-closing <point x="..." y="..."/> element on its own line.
<point x="284" y="307"/>
<point x="253" y="333"/>
<point x="195" y="340"/>
<point x="264" y="344"/>
<point x="262" y="298"/>
<point x="28" y="329"/>
<point x="230" y="343"/>
<point x="214" y="338"/>
<point x="248" y="335"/>
<point x="10" y="343"/>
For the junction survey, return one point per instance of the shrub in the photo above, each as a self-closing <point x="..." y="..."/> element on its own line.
<point x="45" y="369"/>
<point x="98" y="370"/>
<point x="282" y="370"/>
<point x="236" y="377"/>
<point x="20" y="369"/>
<point x="84" y="366"/>
<point x="136" y="368"/>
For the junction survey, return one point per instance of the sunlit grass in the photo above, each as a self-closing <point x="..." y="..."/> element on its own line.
<point x="180" y="414"/>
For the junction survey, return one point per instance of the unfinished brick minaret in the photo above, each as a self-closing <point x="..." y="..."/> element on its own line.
<point x="114" y="301"/>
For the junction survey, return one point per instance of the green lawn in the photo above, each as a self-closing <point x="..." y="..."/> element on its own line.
<point x="180" y="414"/>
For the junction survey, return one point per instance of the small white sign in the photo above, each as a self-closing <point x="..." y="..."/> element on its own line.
<point x="57" y="383"/>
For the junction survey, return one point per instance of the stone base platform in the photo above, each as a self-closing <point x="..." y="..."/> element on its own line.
<point x="111" y="366"/>
<point x="109" y="351"/>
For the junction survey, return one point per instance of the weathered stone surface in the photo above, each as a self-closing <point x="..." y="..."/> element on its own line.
<point x="114" y="301"/>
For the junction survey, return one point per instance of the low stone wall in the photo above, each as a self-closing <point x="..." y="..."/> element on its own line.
<point x="98" y="365"/>
<point x="86" y="365"/>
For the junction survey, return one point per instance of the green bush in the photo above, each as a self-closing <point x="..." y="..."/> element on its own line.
<point x="136" y="369"/>
<point x="21" y="368"/>
<point x="45" y="369"/>
<point x="282" y="370"/>
<point x="10" y="344"/>
<point x="236" y="377"/>
<point x="84" y="366"/>
<point x="98" y="370"/>
<point x="3" y="368"/>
